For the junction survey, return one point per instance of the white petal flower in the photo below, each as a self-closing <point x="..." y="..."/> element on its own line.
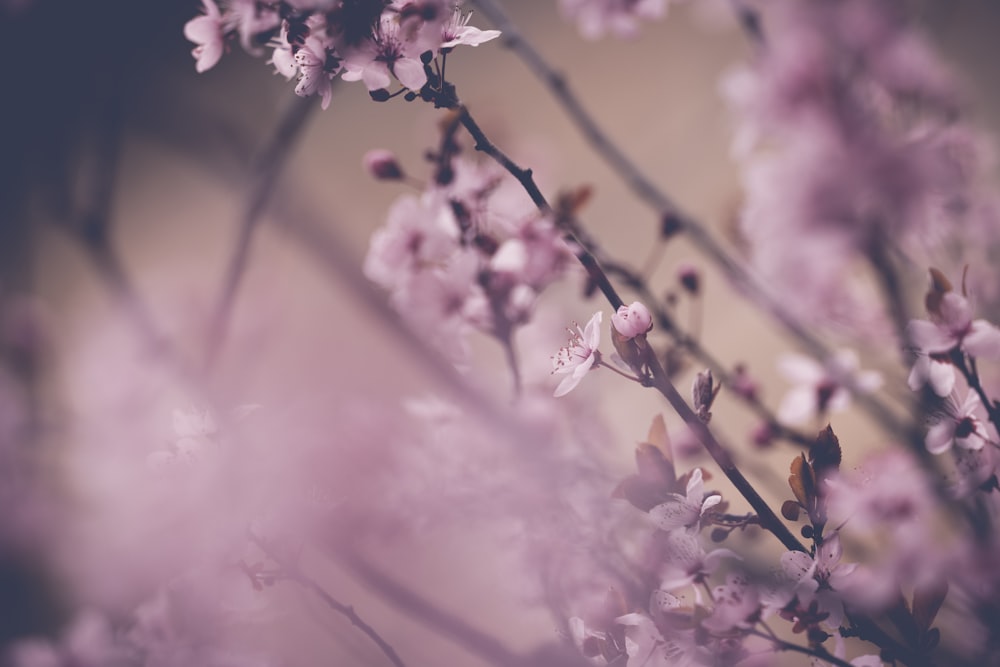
<point x="579" y="355"/>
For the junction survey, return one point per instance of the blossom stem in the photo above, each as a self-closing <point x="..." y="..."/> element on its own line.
<point x="527" y="181"/>
<point x="720" y="454"/>
<point x="782" y="645"/>
<point x="625" y="375"/>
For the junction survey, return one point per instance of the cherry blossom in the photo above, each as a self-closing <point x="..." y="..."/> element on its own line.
<point x="384" y="56"/>
<point x="595" y="18"/>
<point x="959" y="426"/>
<point x="633" y="320"/>
<point x="688" y="563"/>
<point x="317" y="65"/>
<point x="953" y="328"/>
<point x="685" y="511"/>
<point x="814" y="578"/>
<point x="457" y="31"/>
<point x="935" y="370"/>
<point x="578" y="356"/>
<point x="822" y="389"/>
<point x="207" y="32"/>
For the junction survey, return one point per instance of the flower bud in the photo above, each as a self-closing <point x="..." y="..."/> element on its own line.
<point x="689" y="279"/>
<point x="382" y="164"/>
<point x="631" y="321"/>
<point x="703" y="394"/>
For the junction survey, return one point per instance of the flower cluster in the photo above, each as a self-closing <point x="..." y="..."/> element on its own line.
<point x="314" y="41"/>
<point x="849" y="129"/>
<point x="468" y="253"/>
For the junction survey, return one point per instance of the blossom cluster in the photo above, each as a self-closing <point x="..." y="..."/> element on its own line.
<point x="470" y="252"/>
<point x="314" y="41"/>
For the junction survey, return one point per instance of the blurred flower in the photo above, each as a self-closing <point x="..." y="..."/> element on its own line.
<point x="822" y="388"/>
<point x="595" y="18"/>
<point x="958" y="426"/>
<point x="953" y="327"/>
<point x="207" y="32"/>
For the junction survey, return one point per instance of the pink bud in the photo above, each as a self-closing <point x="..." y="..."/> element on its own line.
<point x="382" y="164"/>
<point x="631" y="321"/>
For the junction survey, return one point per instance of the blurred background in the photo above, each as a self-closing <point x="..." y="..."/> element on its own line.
<point x="111" y="140"/>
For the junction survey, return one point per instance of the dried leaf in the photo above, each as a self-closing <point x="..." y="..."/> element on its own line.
<point x="940" y="285"/>
<point x="790" y="509"/>
<point x="658" y="435"/>
<point x="655" y="465"/>
<point x="801" y="481"/>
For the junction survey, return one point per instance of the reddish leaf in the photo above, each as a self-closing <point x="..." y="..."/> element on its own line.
<point x="790" y="510"/>
<point x="801" y="481"/>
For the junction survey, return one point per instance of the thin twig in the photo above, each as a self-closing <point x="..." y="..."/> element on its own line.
<point x="448" y="625"/>
<point x="782" y="645"/>
<point x="292" y="572"/>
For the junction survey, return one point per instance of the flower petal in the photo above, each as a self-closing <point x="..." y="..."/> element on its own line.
<point x="983" y="340"/>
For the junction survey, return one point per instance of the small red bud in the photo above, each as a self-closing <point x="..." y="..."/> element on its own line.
<point x="382" y="164"/>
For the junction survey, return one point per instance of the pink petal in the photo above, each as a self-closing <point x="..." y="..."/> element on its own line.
<point x="929" y="337"/>
<point x="798" y="406"/>
<point x="410" y="73"/>
<point x="675" y="514"/>
<point x="797" y="565"/>
<point x="940" y="436"/>
<point x="801" y="370"/>
<point x="941" y="377"/>
<point x="982" y="341"/>
<point x="956" y="313"/>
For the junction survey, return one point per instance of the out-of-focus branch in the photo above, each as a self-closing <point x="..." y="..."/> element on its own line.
<point x="444" y="623"/>
<point x="291" y="571"/>
<point x="266" y="170"/>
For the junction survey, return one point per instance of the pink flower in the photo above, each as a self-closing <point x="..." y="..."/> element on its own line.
<point x="385" y="55"/>
<point x="631" y="321"/>
<point x="597" y="17"/>
<point x="959" y="426"/>
<point x="685" y="511"/>
<point x="458" y="31"/>
<point x="954" y="328"/>
<point x="577" y="357"/>
<point x="317" y="67"/>
<point x="688" y="563"/>
<point x="932" y="369"/>
<point x="206" y="31"/>
<point x="821" y="389"/>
